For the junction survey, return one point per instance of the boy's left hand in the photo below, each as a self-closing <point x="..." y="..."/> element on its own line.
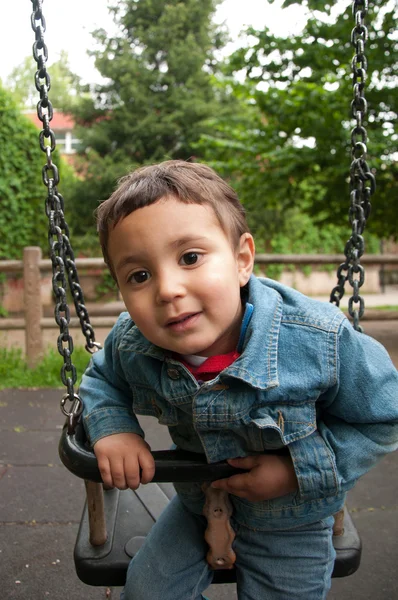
<point x="269" y="476"/>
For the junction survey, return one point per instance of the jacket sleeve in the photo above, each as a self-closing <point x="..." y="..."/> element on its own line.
<point x="106" y="395"/>
<point x="357" y="416"/>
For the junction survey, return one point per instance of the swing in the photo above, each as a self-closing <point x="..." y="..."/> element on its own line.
<point x="114" y="523"/>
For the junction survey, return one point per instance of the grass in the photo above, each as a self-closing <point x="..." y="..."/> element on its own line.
<point x="386" y="307"/>
<point x="15" y="373"/>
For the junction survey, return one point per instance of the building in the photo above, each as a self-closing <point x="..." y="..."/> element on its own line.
<point x="62" y="126"/>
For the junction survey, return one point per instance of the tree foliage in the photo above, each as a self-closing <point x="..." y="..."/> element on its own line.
<point x="159" y="92"/>
<point x="66" y="87"/>
<point x="22" y="193"/>
<point x="290" y="151"/>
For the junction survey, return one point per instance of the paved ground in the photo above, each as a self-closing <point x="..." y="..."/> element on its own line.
<point x="41" y="503"/>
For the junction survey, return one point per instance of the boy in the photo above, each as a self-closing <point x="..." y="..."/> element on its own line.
<point x="234" y="366"/>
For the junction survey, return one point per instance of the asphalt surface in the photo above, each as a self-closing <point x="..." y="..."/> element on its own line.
<point x="41" y="505"/>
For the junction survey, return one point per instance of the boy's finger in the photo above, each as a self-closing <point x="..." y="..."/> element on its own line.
<point x="147" y="465"/>
<point x="105" y="470"/>
<point x="132" y="472"/>
<point x="248" y="462"/>
<point x="117" y="472"/>
<point x="237" y="484"/>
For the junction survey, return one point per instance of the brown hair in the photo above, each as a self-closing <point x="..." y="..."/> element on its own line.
<point x="191" y="183"/>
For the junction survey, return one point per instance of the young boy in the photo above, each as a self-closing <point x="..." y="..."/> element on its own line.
<point x="234" y="365"/>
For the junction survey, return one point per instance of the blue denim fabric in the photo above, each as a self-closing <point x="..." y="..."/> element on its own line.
<point x="305" y="380"/>
<point x="277" y="565"/>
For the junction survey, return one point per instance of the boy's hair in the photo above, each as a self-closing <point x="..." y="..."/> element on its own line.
<point x="191" y="183"/>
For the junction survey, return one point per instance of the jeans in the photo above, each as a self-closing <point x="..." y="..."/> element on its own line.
<point x="279" y="565"/>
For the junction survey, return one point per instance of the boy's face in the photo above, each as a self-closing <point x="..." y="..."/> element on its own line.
<point x="180" y="277"/>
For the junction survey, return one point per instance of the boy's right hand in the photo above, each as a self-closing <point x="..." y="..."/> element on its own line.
<point x="121" y="457"/>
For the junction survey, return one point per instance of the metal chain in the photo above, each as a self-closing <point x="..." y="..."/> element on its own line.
<point x="362" y="181"/>
<point x="61" y="253"/>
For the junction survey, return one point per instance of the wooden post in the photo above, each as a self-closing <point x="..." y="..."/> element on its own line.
<point x="33" y="306"/>
<point x="96" y="515"/>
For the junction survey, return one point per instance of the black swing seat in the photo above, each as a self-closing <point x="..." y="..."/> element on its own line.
<point x="130" y="514"/>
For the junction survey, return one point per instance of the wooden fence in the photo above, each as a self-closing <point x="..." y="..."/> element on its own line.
<point x="33" y="265"/>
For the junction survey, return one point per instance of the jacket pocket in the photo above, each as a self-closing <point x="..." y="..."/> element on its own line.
<point x="282" y="424"/>
<point x="147" y="402"/>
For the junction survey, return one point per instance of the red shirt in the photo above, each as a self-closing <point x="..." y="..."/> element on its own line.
<point x="211" y="366"/>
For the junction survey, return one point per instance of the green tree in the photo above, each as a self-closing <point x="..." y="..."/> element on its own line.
<point x="22" y="217"/>
<point x="158" y="96"/>
<point x="291" y="151"/>
<point x="66" y="87"/>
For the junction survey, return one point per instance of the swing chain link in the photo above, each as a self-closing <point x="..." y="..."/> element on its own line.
<point x="61" y="253"/>
<point x="362" y="180"/>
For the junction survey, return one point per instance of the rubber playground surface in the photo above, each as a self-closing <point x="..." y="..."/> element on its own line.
<point x="41" y="504"/>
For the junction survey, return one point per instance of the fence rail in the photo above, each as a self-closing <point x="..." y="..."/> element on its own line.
<point x="33" y="265"/>
<point x="16" y="266"/>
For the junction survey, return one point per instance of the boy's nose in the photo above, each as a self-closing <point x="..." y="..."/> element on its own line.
<point x="170" y="286"/>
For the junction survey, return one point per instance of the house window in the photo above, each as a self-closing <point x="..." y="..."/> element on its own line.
<point x="66" y="143"/>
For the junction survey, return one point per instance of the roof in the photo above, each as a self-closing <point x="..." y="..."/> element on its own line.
<point x="59" y="122"/>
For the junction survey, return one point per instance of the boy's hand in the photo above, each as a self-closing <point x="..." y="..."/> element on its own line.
<point x="270" y="476"/>
<point x="120" y="457"/>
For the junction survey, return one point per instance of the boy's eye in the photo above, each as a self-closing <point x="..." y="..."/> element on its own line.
<point x="190" y="258"/>
<point x="139" y="277"/>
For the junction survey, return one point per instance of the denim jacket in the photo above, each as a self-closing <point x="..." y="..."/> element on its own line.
<point x="305" y="380"/>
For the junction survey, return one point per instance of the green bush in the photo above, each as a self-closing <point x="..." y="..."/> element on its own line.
<point x="23" y="221"/>
<point x="303" y="235"/>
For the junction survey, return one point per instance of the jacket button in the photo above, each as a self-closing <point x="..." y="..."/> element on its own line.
<point x="173" y="373"/>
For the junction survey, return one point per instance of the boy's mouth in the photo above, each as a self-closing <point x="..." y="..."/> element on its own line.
<point x="182" y="321"/>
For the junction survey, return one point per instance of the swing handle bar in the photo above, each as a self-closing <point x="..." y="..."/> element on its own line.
<point x="170" y="465"/>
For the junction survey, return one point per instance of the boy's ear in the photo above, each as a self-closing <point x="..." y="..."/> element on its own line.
<point x="245" y="258"/>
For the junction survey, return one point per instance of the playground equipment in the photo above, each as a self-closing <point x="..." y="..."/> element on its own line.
<point x="114" y="523"/>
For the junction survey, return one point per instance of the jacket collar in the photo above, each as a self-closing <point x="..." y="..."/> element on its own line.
<point x="257" y="364"/>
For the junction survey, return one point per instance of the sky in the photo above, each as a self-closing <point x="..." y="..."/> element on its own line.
<point x="69" y="25"/>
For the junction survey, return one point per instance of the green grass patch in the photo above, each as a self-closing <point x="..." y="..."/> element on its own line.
<point x="386" y="307"/>
<point x="15" y="373"/>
